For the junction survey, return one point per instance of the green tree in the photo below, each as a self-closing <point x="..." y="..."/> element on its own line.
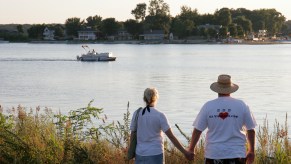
<point x="232" y="30"/>
<point x="257" y="20"/>
<point x="240" y="31"/>
<point x="73" y="25"/>
<point x="110" y="26"/>
<point x="182" y="28"/>
<point x="94" y="22"/>
<point x="184" y="24"/>
<point x="59" y="30"/>
<point x="241" y="12"/>
<point x="203" y="32"/>
<point x="158" y="22"/>
<point x="36" y="31"/>
<point x="245" y="23"/>
<point x="267" y="19"/>
<point x="140" y="11"/>
<point x="133" y="27"/>
<point x="189" y="14"/>
<point x="223" y="17"/>
<point x="212" y="33"/>
<point x="158" y="7"/>
<point x="20" y="28"/>
<point x="275" y="21"/>
<point x="159" y="16"/>
<point x="206" y="19"/>
<point x="223" y="32"/>
<point x="286" y="29"/>
<point x="177" y="27"/>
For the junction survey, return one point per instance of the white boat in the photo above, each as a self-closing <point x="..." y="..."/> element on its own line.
<point x="91" y="55"/>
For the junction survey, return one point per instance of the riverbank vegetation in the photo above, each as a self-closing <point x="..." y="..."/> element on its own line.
<point x="86" y="136"/>
<point x="188" y="24"/>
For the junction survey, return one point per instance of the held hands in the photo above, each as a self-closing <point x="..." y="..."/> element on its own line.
<point x="250" y="157"/>
<point x="189" y="155"/>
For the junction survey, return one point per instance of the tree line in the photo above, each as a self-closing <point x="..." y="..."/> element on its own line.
<point x="156" y="16"/>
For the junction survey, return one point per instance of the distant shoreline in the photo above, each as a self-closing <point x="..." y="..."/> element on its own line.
<point x="138" y="42"/>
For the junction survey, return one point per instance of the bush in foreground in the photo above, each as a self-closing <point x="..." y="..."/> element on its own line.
<point x="85" y="136"/>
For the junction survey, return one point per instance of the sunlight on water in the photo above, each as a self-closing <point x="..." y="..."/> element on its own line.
<point x="48" y="75"/>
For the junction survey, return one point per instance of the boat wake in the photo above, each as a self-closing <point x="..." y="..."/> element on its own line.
<point x="29" y="59"/>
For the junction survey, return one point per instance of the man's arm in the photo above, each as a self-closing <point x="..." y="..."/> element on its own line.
<point x="251" y="146"/>
<point x="195" y="138"/>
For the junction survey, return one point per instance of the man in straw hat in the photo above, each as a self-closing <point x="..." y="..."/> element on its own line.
<point x="230" y="125"/>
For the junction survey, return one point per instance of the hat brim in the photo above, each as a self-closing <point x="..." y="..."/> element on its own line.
<point x="218" y="88"/>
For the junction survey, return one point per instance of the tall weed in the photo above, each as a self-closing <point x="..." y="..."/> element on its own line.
<point x="273" y="146"/>
<point x="85" y="136"/>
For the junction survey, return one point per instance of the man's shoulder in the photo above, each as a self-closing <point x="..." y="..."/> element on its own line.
<point x="213" y="101"/>
<point x="225" y="100"/>
<point x="238" y="101"/>
<point x="210" y="103"/>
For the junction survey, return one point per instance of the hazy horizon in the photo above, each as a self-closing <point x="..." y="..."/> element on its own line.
<point x="53" y="11"/>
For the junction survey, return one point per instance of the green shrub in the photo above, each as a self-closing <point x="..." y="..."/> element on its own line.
<point x="84" y="136"/>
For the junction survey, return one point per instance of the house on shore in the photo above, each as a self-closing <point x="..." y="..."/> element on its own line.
<point x="124" y="35"/>
<point x="87" y="34"/>
<point x="209" y="26"/>
<point x="121" y="35"/>
<point x="262" y="33"/>
<point x="153" y="35"/>
<point x="48" y="34"/>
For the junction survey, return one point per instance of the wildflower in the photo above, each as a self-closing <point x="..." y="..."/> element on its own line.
<point x="38" y="108"/>
<point x="124" y="149"/>
<point x="282" y="133"/>
<point x="12" y="110"/>
<point x="68" y="124"/>
<point x="21" y="114"/>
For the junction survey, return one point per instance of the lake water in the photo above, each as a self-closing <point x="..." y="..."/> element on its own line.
<point x="47" y="75"/>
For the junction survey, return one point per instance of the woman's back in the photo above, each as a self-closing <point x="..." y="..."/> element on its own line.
<point x="151" y="123"/>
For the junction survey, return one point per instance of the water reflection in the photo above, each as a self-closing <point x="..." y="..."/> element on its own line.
<point x="181" y="73"/>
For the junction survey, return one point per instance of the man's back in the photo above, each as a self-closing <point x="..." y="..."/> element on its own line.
<point x="225" y="118"/>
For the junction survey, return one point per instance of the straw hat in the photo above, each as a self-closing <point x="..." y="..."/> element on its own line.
<point x="224" y="85"/>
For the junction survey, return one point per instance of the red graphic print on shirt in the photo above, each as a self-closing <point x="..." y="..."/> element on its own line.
<point x="223" y="115"/>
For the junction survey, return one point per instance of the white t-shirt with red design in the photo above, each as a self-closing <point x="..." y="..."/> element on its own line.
<point x="227" y="120"/>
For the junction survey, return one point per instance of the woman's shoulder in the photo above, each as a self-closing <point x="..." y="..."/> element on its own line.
<point x="159" y="113"/>
<point x="138" y="110"/>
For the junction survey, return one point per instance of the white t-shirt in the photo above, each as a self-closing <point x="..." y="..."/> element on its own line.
<point x="226" y="118"/>
<point x="149" y="132"/>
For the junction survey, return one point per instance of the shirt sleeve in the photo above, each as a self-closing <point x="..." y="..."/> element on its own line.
<point x="164" y="122"/>
<point x="133" y="124"/>
<point x="250" y="121"/>
<point x="200" y="123"/>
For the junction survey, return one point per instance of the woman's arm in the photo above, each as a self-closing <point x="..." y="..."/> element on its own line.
<point x="178" y="145"/>
<point x="131" y="136"/>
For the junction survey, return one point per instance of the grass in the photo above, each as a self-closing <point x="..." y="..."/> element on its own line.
<point x="85" y="136"/>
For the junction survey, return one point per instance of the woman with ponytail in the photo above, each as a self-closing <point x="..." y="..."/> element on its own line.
<point x="150" y="125"/>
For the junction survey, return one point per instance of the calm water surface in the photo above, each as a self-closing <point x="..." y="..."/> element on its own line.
<point x="47" y="75"/>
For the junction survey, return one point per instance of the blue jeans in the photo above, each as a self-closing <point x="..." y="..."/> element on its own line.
<point x="153" y="159"/>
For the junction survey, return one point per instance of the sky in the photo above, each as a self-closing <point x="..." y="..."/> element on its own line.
<point x="58" y="11"/>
